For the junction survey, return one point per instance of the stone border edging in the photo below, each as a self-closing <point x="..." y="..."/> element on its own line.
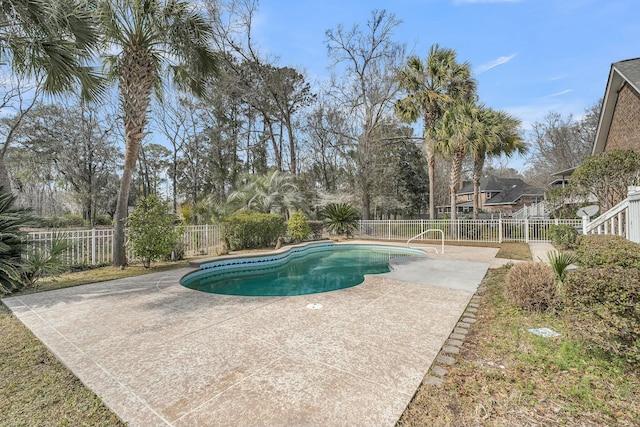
<point x="447" y="355"/>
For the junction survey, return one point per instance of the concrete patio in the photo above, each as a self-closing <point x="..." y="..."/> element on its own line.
<point x="159" y="354"/>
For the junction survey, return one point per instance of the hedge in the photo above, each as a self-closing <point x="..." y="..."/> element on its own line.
<point x="248" y="230"/>
<point x="602" y="307"/>
<point x="607" y="251"/>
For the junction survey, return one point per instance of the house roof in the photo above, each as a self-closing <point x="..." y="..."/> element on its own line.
<point x="509" y="190"/>
<point x="622" y="72"/>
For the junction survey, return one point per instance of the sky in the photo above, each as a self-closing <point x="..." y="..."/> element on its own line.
<point x="530" y="57"/>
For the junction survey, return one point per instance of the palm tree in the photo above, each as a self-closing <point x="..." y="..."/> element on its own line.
<point x="497" y="133"/>
<point x="52" y="39"/>
<point x="431" y="87"/>
<point x="271" y="193"/>
<point x="455" y="134"/>
<point x="12" y="237"/>
<point x="52" y="42"/>
<point x="151" y="38"/>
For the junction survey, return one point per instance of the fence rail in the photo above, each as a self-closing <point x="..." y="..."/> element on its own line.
<point x="92" y="247"/>
<point x="465" y="230"/>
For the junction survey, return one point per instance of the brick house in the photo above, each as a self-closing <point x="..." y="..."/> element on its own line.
<point x="497" y="195"/>
<point x="619" y="125"/>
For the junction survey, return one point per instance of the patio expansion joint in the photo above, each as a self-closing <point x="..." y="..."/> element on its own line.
<point x="220" y="393"/>
<point x="132" y="393"/>
<point x="50" y="325"/>
<point x="359" y="377"/>
<point x="88" y="357"/>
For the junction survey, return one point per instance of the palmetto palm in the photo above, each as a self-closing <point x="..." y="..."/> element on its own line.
<point x="454" y="134"/>
<point x="11" y="242"/>
<point x="53" y="40"/>
<point x="432" y="86"/>
<point x="496" y="133"/>
<point x="151" y="38"/>
<point x="272" y="193"/>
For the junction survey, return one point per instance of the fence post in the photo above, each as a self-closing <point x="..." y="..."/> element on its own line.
<point x="389" y="236"/>
<point x="93" y="246"/>
<point x="633" y="214"/>
<point x="206" y="239"/>
<point x="500" y="229"/>
<point x="526" y="230"/>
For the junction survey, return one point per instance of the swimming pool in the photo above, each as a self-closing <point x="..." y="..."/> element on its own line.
<point x="300" y="270"/>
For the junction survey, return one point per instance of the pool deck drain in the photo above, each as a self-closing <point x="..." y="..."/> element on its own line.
<point x="160" y="354"/>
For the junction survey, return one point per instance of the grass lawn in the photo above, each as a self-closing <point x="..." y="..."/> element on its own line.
<point x="507" y="376"/>
<point x="36" y="389"/>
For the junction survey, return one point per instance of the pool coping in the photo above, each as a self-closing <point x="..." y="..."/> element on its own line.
<point x="280" y="256"/>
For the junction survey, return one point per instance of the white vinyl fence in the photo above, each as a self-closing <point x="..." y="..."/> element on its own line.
<point x="464" y="230"/>
<point x="92" y="247"/>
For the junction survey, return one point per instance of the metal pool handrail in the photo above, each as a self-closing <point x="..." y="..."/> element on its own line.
<point x="425" y="232"/>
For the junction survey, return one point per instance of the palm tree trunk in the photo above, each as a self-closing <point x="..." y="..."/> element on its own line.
<point x="135" y="86"/>
<point x="456" y="173"/>
<point x="478" y="166"/>
<point x="431" y="165"/>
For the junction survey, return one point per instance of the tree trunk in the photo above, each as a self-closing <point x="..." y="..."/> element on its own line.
<point x="131" y="154"/>
<point x="478" y="166"/>
<point x="5" y="181"/>
<point x="431" y="164"/>
<point x="135" y="86"/>
<point x="292" y="147"/>
<point x="456" y="173"/>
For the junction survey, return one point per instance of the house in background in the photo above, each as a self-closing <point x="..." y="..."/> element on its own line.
<point x="619" y="125"/>
<point x="504" y="196"/>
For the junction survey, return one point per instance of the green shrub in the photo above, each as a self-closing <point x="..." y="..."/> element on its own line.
<point x="298" y="227"/>
<point x="41" y="262"/>
<point x="152" y="235"/>
<point x="607" y="251"/>
<point x="341" y="218"/>
<point x="247" y="230"/>
<point x="103" y="220"/>
<point x="71" y="220"/>
<point x="559" y="261"/>
<point x="602" y="308"/>
<point x="12" y="238"/>
<point x="531" y="286"/>
<point x="563" y="236"/>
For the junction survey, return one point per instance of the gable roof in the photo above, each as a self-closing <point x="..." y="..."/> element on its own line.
<point x="509" y="190"/>
<point x="622" y="72"/>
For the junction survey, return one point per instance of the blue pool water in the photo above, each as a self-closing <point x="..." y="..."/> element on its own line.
<point x="318" y="269"/>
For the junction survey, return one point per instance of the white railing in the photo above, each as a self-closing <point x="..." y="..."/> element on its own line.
<point x="92" y="247"/>
<point x="538" y="210"/>
<point x="431" y="230"/>
<point x="465" y="230"/>
<point x="621" y="220"/>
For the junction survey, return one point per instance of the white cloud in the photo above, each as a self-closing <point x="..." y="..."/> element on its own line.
<point x="564" y="92"/>
<point x="484" y="1"/>
<point x="496" y="62"/>
<point x="529" y="114"/>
